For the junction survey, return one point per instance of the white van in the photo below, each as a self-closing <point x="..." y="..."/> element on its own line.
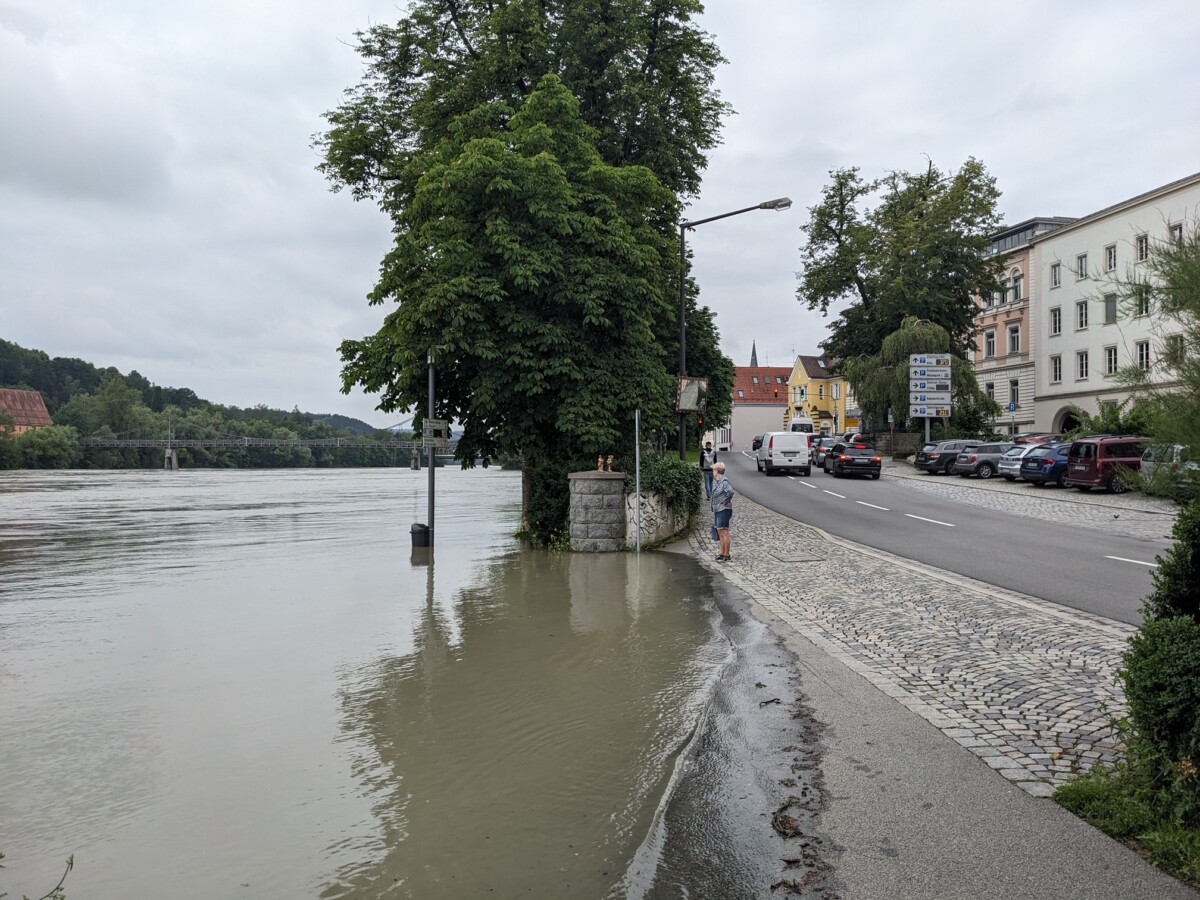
<point x="783" y="450"/>
<point x="801" y="423"/>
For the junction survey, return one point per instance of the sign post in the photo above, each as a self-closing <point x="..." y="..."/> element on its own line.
<point x="929" y="394"/>
<point x="1012" y="408"/>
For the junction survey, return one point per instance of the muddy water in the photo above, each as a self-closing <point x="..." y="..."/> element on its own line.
<point x="224" y="684"/>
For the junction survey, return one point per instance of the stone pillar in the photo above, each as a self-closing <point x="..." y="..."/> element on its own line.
<point x="597" y="511"/>
<point x="171" y="460"/>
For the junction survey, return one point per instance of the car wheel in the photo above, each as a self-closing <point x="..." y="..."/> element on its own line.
<point x="985" y="471"/>
<point x="837" y="474"/>
<point x="806" y="471"/>
<point x="1116" y="485"/>
<point x="1062" y="479"/>
<point x="758" y="464"/>
<point x="874" y="476"/>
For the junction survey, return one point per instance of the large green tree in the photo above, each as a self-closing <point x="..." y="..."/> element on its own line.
<point x="532" y="269"/>
<point x="908" y="244"/>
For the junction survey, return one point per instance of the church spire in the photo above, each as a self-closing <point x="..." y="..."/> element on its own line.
<point x="753" y="355"/>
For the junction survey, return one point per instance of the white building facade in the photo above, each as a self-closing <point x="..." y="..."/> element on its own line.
<point x="1085" y="330"/>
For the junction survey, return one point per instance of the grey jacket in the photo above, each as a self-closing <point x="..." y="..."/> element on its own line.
<point x="722" y="495"/>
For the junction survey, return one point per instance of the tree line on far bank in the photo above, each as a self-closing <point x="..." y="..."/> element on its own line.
<point x="86" y="401"/>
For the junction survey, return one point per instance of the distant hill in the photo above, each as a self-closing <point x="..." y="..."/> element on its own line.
<point x="358" y="426"/>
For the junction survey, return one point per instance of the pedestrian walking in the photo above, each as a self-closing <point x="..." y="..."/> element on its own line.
<point x="708" y="459"/>
<point x="722" y="507"/>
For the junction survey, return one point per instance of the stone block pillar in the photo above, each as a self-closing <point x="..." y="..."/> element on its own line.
<point x="597" y="511"/>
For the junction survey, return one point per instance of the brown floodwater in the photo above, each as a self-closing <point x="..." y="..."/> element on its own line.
<point x="248" y="684"/>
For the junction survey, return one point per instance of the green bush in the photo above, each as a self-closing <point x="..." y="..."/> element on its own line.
<point x="548" y="504"/>
<point x="678" y="482"/>
<point x="1177" y="578"/>
<point x="1162" y="686"/>
<point x="1104" y="797"/>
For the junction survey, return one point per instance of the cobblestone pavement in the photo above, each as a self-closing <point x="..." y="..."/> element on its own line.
<point x="1028" y="686"/>
<point x="1134" y="515"/>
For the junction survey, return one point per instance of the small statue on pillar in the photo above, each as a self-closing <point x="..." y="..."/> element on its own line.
<point x="600" y="463"/>
<point x="610" y="459"/>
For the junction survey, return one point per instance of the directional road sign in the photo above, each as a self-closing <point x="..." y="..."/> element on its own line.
<point x="918" y="384"/>
<point x="917" y="411"/>
<point x="929" y="398"/>
<point x="942" y="372"/>
<point x="928" y="359"/>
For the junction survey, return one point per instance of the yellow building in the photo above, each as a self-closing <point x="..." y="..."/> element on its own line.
<point x="816" y="391"/>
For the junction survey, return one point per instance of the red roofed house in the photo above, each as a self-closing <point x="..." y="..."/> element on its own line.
<point x="760" y="401"/>
<point x="27" y="409"/>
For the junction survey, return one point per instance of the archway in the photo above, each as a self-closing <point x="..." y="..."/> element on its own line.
<point x="1067" y="421"/>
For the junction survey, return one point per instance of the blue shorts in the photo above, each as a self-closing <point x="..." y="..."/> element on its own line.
<point x="721" y="519"/>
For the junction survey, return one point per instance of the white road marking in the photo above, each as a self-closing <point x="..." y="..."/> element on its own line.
<point x="934" y="521"/>
<point x="832" y="494"/>
<point x="1136" y="562"/>
<point x="807" y="485"/>
<point x="872" y="505"/>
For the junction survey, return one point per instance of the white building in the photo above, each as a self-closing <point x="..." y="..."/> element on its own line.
<point x="1083" y="333"/>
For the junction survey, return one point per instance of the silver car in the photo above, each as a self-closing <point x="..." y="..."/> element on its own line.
<point x="820" y="446"/>
<point x="1009" y="465"/>
<point x="982" y="460"/>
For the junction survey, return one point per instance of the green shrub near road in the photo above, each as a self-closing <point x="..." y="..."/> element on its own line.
<point x="677" y="481"/>
<point x="1152" y="798"/>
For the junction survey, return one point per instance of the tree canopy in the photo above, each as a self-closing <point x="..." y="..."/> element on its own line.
<point x="918" y="251"/>
<point x="643" y="74"/>
<point x="532" y="269"/>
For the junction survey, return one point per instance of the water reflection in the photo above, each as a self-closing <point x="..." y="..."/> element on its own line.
<point x="528" y="755"/>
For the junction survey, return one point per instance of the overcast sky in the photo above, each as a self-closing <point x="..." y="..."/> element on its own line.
<point x="160" y="210"/>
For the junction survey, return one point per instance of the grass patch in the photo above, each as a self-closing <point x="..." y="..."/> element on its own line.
<point x="1115" y="801"/>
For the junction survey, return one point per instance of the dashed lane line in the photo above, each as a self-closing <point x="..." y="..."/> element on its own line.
<point x="872" y="505"/>
<point x="1136" y="562"/>
<point x="933" y="521"/>
<point x="839" y="496"/>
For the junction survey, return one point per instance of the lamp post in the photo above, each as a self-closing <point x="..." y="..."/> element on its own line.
<point x="779" y="205"/>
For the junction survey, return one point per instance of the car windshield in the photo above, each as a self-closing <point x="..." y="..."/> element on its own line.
<point x="859" y="450"/>
<point x="1017" y="452"/>
<point x="1040" y="451"/>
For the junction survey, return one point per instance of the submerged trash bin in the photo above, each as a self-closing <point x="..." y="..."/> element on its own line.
<point x="420" y="535"/>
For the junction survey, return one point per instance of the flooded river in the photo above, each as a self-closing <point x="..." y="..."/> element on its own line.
<point x="247" y="684"/>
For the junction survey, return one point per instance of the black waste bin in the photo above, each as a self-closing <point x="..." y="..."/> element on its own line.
<point x="420" y="535"/>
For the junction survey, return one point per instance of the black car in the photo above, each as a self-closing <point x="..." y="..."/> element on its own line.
<point x="853" y="459"/>
<point x="940" y="458"/>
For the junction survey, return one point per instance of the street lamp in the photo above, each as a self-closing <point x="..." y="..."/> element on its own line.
<point x="779" y="204"/>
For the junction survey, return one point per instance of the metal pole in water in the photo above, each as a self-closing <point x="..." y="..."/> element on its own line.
<point x="637" y="474"/>
<point x="430" y="415"/>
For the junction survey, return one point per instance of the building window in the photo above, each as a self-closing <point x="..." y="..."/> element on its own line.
<point x="1173" y="350"/>
<point x="1004" y="289"/>
<point x="837" y="391"/>
<point x="1014" y="338"/>
<point x="1176" y="232"/>
<point x="741" y="394"/>
<point x="1055" y="275"/>
<point x="1110" y="257"/>
<point x="820" y="392"/>
<point x="1141" y="300"/>
<point x="1056" y="320"/>
<point x="990" y="389"/>
<point x="1110" y="360"/>
<point x="1110" y="309"/>
<point x="1143" y="355"/>
<point x="1018" y="285"/>
<point x="754" y="378"/>
<point x="1142" y="245"/>
<point x="1056" y="370"/>
<point x="1081" y="267"/>
<point x="1081" y="314"/>
<point x="989" y="344"/>
<point x="1081" y="365"/>
<point x="1014" y="392"/>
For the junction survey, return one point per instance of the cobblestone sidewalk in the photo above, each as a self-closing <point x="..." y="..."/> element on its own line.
<point x="1130" y="514"/>
<point x="1028" y="686"/>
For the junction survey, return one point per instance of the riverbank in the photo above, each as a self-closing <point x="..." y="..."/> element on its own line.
<point x="948" y="713"/>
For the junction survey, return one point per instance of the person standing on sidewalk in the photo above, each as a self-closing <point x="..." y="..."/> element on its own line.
<point x="722" y="507"/>
<point x="708" y="459"/>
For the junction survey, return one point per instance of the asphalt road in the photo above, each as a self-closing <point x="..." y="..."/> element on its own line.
<point x="1071" y="566"/>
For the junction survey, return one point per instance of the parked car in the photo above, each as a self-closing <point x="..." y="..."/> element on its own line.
<point x="1105" y="461"/>
<point x="938" y="458"/>
<point x="1009" y="466"/>
<point x="784" y="450"/>
<point x="1172" y="465"/>
<point x="820" y="446"/>
<point x="853" y="459"/>
<point x="1036" y="437"/>
<point x="1046" y="464"/>
<point x="756" y="442"/>
<point x="982" y="460"/>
